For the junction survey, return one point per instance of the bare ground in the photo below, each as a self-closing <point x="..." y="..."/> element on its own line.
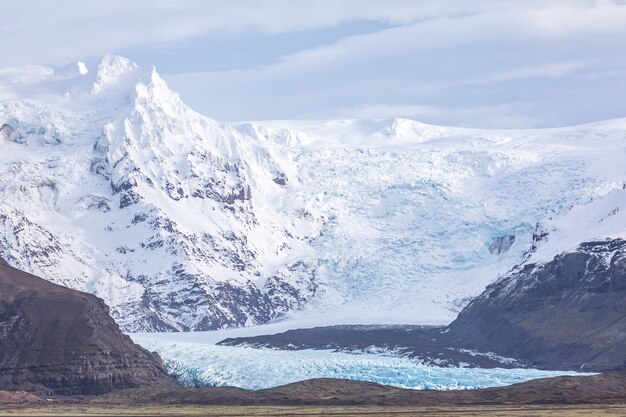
<point x="269" y="411"/>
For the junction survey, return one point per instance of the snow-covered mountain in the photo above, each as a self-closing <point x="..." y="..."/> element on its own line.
<point x="109" y="183"/>
<point x="116" y="187"/>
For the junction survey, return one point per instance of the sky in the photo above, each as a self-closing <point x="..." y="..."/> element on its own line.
<point x="489" y="63"/>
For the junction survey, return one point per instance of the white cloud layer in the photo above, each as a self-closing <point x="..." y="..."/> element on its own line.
<point x="478" y="63"/>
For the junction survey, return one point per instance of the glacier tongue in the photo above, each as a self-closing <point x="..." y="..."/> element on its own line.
<point x="197" y="364"/>
<point x="109" y="183"/>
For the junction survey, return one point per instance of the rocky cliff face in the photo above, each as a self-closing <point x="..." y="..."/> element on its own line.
<point x="568" y="313"/>
<point x="54" y="340"/>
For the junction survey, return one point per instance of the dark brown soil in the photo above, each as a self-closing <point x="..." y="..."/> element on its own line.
<point x="19" y="397"/>
<point x="599" y="389"/>
<point x="59" y="341"/>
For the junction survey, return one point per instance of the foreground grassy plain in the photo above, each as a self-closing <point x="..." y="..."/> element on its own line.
<point x="369" y="411"/>
<point x="589" y="396"/>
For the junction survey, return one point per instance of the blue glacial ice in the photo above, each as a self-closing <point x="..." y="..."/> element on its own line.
<point x="409" y="231"/>
<point x="198" y="364"/>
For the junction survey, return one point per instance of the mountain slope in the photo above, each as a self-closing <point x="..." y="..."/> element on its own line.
<point x="162" y="212"/>
<point x="60" y="341"/>
<point x="110" y="184"/>
<point x="567" y="312"/>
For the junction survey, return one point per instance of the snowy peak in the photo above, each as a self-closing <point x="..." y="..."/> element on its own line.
<point x="81" y="68"/>
<point x="75" y="69"/>
<point x="33" y="74"/>
<point x="118" y="76"/>
<point x="25" y="74"/>
<point x="154" y="88"/>
<point x="347" y="132"/>
<point x="111" y="71"/>
<point x="404" y="129"/>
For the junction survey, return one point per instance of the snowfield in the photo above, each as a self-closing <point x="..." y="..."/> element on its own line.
<point x="197" y="364"/>
<point x="110" y="184"/>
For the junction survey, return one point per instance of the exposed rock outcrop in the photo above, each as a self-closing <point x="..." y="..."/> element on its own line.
<point x="501" y="244"/>
<point x="54" y="340"/>
<point x="427" y="344"/>
<point x="569" y="313"/>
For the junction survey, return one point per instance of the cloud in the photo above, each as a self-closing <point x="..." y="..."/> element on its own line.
<point x="53" y="32"/>
<point x="489" y="61"/>
<point x="467" y="62"/>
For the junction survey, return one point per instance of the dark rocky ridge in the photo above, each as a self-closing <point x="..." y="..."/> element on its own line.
<point x="425" y="343"/>
<point x="569" y="313"/>
<point x="54" y="340"/>
<point x="566" y="314"/>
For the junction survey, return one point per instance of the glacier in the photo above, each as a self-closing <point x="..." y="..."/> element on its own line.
<point x="110" y="184"/>
<point x="202" y="364"/>
<point x="414" y="209"/>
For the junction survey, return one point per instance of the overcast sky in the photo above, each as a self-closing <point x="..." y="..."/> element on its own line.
<point x="468" y="63"/>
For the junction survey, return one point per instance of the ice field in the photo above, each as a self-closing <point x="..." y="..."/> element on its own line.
<point x="244" y="367"/>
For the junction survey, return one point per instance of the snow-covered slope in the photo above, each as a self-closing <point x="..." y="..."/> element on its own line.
<point x="164" y="213"/>
<point x="423" y="217"/>
<point x="602" y="219"/>
<point x="109" y="183"/>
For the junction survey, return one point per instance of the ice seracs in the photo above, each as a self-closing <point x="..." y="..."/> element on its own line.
<point x="197" y="364"/>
